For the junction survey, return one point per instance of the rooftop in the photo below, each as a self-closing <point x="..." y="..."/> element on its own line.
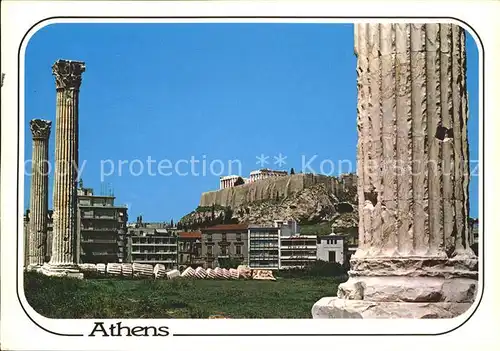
<point x="226" y="227"/>
<point x="190" y="235"/>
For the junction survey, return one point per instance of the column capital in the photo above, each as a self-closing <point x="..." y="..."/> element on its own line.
<point x="68" y="74"/>
<point x="40" y="128"/>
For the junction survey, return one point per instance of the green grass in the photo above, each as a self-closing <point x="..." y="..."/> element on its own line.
<point x="181" y="298"/>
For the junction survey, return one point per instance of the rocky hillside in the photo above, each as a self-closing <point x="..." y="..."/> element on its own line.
<point x="279" y="188"/>
<point x="315" y="204"/>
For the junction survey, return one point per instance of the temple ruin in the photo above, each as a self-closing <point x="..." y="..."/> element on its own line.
<point x="413" y="259"/>
<point x="63" y="260"/>
<point x="37" y="231"/>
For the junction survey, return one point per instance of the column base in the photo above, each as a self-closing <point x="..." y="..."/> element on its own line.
<point x="334" y="307"/>
<point x="408" y="289"/>
<point x="70" y="271"/>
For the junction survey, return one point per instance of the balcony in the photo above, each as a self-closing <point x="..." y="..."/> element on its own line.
<point x="153" y="261"/>
<point x="93" y="229"/>
<point x="299" y="258"/>
<point x="153" y="244"/>
<point x="170" y="253"/>
<point x="98" y="241"/>
<point x="298" y="247"/>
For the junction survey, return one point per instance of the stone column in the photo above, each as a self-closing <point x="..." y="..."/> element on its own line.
<point x="413" y="259"/>
<point x="39" y="191"/>
<point x="63" y="260"/>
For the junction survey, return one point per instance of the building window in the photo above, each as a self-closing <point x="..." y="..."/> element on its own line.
<point x="238" y="237"/>
<point x="209" y="250"/>
<point x="238" y="250"/>
<point x="223" y="251"/>
<point x="209" y="237"/>
<point x="331" y="256"/>
<point x="224" y="237"/>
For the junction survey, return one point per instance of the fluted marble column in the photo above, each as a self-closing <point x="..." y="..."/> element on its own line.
<point x="63" y="259"/>
<point x="413" y="177"/>
<point x="38" y="193"/>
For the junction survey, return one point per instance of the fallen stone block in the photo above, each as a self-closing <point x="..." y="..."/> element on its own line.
<point x="141" y="270"/>
<point x="127" y="269"/>
<point x="174" y="273"/>
<point x="234" y="274"/>
<point x="244" y="272"/>
<point x="225" y="273"/>
<point x="200" y="273"/>
<point x="188" y="273"/>
<point x="114" y="269"/>
<point x="159" y="271"/>
<point x="211" y="274"/>
<point x="261" y="274"/>
<point x="218" y="273"/>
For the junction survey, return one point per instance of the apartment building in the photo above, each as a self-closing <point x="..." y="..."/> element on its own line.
<point x="189" y="249"/>
<point x="158" y="246"/>
<point x="101" y="228"/>
<point x="263" y="247"/>
<point x="224" y="242"/>
<point x="297" y="251"/>
<point x="264" y="244"/>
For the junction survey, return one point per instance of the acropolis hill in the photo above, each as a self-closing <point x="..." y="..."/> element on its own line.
<point x="307" y="198"/>
<point x="279" y="188"/>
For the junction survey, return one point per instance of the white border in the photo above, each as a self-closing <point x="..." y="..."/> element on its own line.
<point x="18" y="22"/>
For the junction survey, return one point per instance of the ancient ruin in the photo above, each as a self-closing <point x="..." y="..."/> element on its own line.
<point x="37" y="232"/>
<point x="63" y="259"/>
<point x="414" y="259"/>
<point x="158" y="271"/>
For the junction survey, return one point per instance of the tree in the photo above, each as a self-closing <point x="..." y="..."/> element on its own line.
<point x="228" y="215"/>
<point x="239" y="181"/>
<point x="292" y="171"/>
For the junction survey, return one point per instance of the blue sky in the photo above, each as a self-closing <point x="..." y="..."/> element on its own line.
<point x="206" y="92"/>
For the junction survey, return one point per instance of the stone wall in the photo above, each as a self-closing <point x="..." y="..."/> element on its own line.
<point x="278" y="187"/>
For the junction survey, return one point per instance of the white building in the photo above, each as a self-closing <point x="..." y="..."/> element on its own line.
<point x="265" y="173"/>
<point x="297" y="251"/>
<point x="288" y="227"/>
<point x="331" y="248"/>
<point x="263" y="247"/>
<point x="228" y="181"/>
<point x="264" y="243"/>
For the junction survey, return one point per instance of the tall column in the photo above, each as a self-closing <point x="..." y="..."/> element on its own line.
<point x="39" y="191"/>
<point x="413" y="259"/>
<point x="63" y="260"/>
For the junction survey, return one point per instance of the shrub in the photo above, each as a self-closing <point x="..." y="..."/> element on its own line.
<point x="316" y="269"/>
